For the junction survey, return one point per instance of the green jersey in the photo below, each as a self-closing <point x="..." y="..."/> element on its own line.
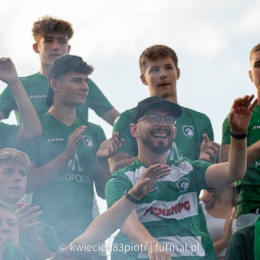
<point x="169" y="211"/>
<point x="14" y="253"/>
<point x="66" y="200"/>
<point x="241" y="244"/>
<point x="190" y="129"/>
<point x="8" y="135"/>
<point x="49" y="237"/>
<point x="36" y="87"/>
<point x="248" y="188"/>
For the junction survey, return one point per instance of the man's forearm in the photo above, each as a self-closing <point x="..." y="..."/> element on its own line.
<point x="237" y="162"/>
<point x="31" y="127"/>
<point x="119" y="164"/>
<point x="102" y="173"/>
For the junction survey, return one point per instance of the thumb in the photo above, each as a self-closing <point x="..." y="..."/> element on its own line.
<point x="206" y="138"/>
<point x="114" y="136"/>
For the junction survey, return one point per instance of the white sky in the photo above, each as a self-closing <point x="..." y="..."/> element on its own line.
<point x="211" y="38"/>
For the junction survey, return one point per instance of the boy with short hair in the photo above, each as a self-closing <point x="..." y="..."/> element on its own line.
<point x="37" y="239"/>
<point x="70" y="155"/>
<point x="51" y="41"/>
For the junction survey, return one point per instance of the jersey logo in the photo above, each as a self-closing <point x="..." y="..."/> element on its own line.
<point x="188" y="131"/>
<point x="183" y="184"/>
<point x="154" y="189"/>
<point x="256" y="127"/>
<point x="88" y="141"/>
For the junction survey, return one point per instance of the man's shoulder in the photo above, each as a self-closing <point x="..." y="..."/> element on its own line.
<point x="195" y="114"/>
<point x="126" y="115"/>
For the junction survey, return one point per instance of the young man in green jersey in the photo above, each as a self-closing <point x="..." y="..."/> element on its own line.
<point x="13" y="135"/>
<point x="70" y="155"/>
<point x="37" y="239"/>
<point x="248" y="189"/>
<point x="165" y="222"/>
<point x="52" y="37"/>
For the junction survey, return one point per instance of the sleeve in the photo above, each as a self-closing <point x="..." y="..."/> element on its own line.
<point x="122" y="125"/>
<point x="225" y="132"/>
<point x="32" y="149"/>
<point x="49" y="237"/>
<point x="208" y="129"/>
<point x="115" y="189"/>
<point x="8" y="135"/>
<point x="98" y="102"/>
<point x="7" y="102"/>
<point x="200" y="167"/>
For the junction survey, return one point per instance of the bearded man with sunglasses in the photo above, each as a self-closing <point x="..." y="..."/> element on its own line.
<point x="165" y="223"/>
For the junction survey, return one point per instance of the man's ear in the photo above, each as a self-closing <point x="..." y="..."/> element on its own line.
<point x="178" y="73"/>
<point x="142" y="77"/>
<point x="69" y="47"/>
<point x="250" y="75"/>
<point x="133" y="130"/>
<point x="35" y="47"/>
<point x="54" y="85"/>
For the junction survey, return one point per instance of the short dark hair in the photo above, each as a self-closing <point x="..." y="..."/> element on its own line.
<point x="47" y="24"/>
<point x="77" y="255"/>
<point x="62" y="66"/>
<point x="154" y="52"/>
<point x="254" y="50"/>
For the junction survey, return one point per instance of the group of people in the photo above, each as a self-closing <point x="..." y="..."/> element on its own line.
<point x="151" y="171"/>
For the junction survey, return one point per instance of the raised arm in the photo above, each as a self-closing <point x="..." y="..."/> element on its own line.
<point x="225" y="173"/>
<point x="108" y="222"/>
<point x="110" y="116"/>
<point x="31" y="127"/>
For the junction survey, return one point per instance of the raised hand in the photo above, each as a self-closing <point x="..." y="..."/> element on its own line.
<point x="110" y="147"/>
<point x="240" y="114"/>
<point x="26" y="220"/>
<point x="148" y="179"/>
<point x="8" y="72"/>
<point x="209" y="150"/>
<point x="73" y="141"/>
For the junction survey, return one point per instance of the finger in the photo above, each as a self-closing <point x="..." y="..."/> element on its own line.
<point x="206" y="138"/>
<point x="114" y="136"/>
<point x="26" y="210"/>
<point x="22" y="209"/>
<point x="32" y="225"/>
<point x="252" y="106"/>
<point x="140" y="184"/>
<point x="122" y="142"/>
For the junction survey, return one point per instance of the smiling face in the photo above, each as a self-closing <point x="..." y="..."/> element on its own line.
<point x="161" y="76"/>
<point x="71" y="89"/>
<point x="254" y="73"/>
<point x="8" y="227"/>
<point x="13" y="180"/>
<point x="51" y="46"/>
<point x="157" y="138"/>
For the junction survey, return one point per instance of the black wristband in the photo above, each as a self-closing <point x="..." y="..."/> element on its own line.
<point x="129" y="197"/>
<point x="242" y="136"/>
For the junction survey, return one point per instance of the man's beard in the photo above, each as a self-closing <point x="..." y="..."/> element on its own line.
<point x="160" y="149"/>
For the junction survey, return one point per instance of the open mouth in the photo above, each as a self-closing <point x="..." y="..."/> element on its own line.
<point x="160" y="135"/>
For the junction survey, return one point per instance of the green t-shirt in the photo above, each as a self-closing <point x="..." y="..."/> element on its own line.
<point x="248" y="188"/>
<point x="190" y="129"/>
<point x="36" y="86"/>
<point x="66" y="200"/>
<point x="241" y="244"/>
<point x="49" y="237"/>
<point x="8" y="135"/>
<point x="169" y="211"/>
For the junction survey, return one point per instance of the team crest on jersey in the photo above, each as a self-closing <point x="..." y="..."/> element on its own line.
<point x="88" y="141"/>
<point x="183" y="184"/>
<point x="188" y="131"/>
